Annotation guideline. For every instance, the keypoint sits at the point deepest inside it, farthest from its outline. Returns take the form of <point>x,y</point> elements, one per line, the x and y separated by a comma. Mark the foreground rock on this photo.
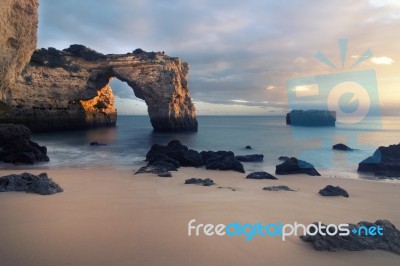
<point>295,166</point>
<point>16,146</point>
<point>389,241</point>
<point>250,158</point>
<point>260,175</point>
<point>385,161</point>
<point>311,118</point>
<point>198,181</point>
<point>40,184</point>
<point>333,191</point>
<point>221,160</point>
<point>341,147</point>
<point>278,188</point>
<point>169,158</point>
<point>165,174</point>
<point>75,93</point>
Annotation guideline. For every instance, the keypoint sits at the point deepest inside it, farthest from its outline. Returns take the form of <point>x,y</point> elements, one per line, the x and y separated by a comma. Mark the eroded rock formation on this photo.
<point>69,89</point>
<point>311,118</point>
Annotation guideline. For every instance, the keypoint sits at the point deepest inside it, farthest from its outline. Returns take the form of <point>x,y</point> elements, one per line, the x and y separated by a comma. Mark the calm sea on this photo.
<point>268,135</point>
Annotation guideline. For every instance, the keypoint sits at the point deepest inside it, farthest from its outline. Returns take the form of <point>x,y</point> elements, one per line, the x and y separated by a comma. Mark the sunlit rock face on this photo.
<point>69,89</point>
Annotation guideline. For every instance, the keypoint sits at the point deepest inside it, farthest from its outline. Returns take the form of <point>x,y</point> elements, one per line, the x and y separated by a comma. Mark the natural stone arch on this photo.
<point>69,89</point>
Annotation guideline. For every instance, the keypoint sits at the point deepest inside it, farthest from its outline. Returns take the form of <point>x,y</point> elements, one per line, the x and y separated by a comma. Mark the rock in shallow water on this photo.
<point>40,184</point>
<point>95,143</point>
<point>260,175</point>
<point>384,162</point>
<point>177,154</point>
<point>16,146</point>
<point>341,147</point>
<point>389,241</point>
<point>295,166</point>
<point>333,191</point>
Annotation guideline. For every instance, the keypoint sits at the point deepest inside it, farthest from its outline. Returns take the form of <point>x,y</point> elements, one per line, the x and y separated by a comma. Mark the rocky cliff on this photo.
<point>18,23</point>
<point>69,89</point>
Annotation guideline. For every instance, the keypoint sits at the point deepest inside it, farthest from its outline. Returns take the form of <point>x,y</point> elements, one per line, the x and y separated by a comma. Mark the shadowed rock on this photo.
<point>311,118</point>
<point>333,191</point>
<point>260,175</point>
<point>250,158</point>
<point>341,147</point>
<point>278,188</point>
<point>40,184</point>
<point>385,161</point>
<point>16,146</point>
<point>248,147</point>
<point>199,181</point>
<point>389,241</point>
<point>295,166</point>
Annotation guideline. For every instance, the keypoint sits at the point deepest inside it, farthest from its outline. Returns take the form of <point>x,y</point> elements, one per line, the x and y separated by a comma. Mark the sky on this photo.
<point>241,53</point>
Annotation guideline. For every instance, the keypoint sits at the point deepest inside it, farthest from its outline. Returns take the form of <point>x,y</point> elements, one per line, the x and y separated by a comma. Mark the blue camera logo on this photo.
<point>352,94</point>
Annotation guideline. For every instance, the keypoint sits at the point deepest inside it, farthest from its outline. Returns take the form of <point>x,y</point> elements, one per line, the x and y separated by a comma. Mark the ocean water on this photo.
<point>129,142</point>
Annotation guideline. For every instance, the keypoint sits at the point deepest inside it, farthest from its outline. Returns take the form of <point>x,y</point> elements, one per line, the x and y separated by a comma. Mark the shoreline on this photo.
<point>122,219</point>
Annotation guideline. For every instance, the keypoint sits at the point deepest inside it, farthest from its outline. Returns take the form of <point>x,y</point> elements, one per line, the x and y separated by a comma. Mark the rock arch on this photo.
<point>69,89</point>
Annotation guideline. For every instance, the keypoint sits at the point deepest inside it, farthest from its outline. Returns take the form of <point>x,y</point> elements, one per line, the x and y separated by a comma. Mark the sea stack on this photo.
<point>311,118</point>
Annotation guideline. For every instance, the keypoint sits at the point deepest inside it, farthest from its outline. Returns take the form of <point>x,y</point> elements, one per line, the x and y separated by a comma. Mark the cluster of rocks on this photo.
<point>40,184</point>
<point>388,241</point>
<point>16,146</point>
<point>167,158</point>
<point>385,162</point>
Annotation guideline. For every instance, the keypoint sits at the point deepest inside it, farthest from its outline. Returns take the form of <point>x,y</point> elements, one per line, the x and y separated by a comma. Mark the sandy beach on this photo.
<point>112,217</point>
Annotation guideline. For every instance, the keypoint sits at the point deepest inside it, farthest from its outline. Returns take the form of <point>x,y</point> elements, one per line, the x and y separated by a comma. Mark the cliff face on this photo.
<point>69,89</point>
<point>18,23</point>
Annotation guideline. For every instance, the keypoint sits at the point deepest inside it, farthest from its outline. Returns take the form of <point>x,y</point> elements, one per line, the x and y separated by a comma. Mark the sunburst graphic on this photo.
<point>343,52</point>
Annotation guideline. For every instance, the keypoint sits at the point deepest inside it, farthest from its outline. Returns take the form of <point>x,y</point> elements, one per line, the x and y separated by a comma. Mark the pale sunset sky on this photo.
<point>241,53</point>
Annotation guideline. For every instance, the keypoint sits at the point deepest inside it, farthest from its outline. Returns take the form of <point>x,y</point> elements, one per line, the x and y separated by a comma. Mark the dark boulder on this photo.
<point>40,184</point>
<point>260,175</point>
<point>248,147</point>
<point>341,147</point>
<point>357,239</point>
<point>311,118</point>
<point>221,160</point>
<point>295,166</point>
<point>385,161</point>
<point>226,163</point>
<point>199,181</point>
<point>278,188</point>
<point>95,143</point>
<point>16,146</point>
<point>250,158</point>
<point>175,150</point>
<point>333,191</point>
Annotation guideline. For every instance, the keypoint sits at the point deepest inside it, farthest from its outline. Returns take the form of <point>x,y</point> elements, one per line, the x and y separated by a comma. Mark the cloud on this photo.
<point>384,60</point>
<point>234,47</point>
